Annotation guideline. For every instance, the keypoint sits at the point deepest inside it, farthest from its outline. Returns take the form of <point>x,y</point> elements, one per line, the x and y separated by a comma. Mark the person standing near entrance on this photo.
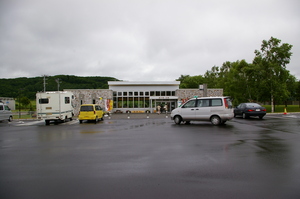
<point>166,108</point>
<point>158,109</point>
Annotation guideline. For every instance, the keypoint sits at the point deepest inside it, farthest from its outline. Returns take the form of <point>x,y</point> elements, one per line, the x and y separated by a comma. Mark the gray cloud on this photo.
<point>139,40</point>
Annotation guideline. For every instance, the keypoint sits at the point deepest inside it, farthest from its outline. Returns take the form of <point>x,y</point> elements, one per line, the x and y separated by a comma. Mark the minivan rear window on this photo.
<point>216,102</point>
<point>86,108</point>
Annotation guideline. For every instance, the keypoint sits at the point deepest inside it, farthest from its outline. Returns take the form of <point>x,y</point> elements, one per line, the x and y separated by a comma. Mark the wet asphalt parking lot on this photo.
<point>151,157</point>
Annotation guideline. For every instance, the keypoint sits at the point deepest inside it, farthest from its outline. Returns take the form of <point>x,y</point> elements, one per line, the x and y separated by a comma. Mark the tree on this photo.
<point>187,81</point>
<point>25,101</point>
<point>271,63</point>
<point>211,77</point>
<point>297,92</point>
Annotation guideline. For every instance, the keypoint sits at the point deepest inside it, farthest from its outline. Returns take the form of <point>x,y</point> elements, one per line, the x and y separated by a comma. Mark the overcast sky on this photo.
<point>139,40</point>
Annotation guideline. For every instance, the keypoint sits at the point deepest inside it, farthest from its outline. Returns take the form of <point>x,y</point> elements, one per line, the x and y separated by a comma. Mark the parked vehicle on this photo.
<point>90,112</point>
<point>5,112</point>
<point>54,106</point>
<point>217,110</point>
<point>250,109</point>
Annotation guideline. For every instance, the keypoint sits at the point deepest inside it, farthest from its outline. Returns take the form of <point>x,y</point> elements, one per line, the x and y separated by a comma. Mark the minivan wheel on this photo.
<point>215,120</point>
<point>177,119</point>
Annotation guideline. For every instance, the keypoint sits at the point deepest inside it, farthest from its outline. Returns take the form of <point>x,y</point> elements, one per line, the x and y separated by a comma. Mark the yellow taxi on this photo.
<point>92,112</point>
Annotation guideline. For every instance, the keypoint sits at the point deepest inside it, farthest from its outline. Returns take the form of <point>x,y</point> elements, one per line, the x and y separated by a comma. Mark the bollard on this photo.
<point>147,112</point>
<point>128,114</point>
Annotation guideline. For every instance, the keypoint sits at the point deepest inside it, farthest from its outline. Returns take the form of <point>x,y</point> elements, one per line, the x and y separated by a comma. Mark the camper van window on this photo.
<point>44,101</point>
<point>7,108</point>
<point>67,100</point>
<point>1,107</point>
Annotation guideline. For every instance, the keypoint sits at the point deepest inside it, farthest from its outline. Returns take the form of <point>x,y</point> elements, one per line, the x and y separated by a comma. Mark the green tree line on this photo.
<point>265,79</point>
<point>24,87</point>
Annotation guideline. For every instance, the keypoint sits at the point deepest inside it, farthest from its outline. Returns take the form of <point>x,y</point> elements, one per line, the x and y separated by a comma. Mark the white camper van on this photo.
<point>54,106</point>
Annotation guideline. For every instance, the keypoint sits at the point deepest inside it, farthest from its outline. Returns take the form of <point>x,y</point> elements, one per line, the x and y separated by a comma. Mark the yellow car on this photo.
<point>90,112</point>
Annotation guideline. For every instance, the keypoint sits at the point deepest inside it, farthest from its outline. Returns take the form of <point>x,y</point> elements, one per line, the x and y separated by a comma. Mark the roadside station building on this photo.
<point>139,96</point>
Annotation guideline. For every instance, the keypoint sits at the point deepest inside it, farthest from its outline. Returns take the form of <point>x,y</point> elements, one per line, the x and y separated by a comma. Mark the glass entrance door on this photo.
<point>165,105</point>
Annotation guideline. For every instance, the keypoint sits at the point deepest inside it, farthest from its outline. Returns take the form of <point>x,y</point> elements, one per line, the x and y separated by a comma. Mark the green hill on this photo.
<point>27,87</point>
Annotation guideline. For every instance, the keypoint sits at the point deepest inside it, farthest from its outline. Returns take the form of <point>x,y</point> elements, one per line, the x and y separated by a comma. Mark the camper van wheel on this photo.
<point>47,122</point>
<point>10,118</point>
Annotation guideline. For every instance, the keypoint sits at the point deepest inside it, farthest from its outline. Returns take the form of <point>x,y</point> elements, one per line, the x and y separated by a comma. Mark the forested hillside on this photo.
<point>27,87</point>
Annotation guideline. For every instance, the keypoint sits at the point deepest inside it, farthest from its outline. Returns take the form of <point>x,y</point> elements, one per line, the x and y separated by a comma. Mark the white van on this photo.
<point>217,110</point>
<point>5,112</point>
<point>55,106</point>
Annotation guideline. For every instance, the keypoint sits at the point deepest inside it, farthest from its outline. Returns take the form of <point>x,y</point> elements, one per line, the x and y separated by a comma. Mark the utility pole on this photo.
<point>45,82</point>
<point>58,82</point>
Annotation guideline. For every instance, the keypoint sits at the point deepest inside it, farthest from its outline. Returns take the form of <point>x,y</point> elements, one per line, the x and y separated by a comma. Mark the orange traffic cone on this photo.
<point>285,112</point>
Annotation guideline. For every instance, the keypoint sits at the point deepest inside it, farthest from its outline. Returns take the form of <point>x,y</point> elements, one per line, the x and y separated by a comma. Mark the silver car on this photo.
<point>5,112</point>
<point>217,110</point>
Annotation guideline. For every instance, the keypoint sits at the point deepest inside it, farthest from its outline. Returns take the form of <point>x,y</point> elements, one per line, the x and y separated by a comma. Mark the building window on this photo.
<point>147,102</point>
<point>136,102</point>
<point>124,93</point>
<point>120,102</point>
<point>124,102</point>
<point>115,102</point>
<point>130,102</point>
<point>152,93</point>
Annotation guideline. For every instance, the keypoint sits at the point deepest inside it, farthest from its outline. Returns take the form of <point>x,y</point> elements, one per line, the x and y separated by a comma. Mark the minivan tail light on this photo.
<point>94,112</point>
<point>226,103</point>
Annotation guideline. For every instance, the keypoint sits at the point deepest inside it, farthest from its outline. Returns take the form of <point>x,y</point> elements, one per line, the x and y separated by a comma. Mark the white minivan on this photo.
<point>217,110</point>
<point>5,112</point>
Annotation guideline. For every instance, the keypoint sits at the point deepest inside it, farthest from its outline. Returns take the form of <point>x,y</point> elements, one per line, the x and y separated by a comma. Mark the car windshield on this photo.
<point>86,108</point>
<point>252,105</point>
